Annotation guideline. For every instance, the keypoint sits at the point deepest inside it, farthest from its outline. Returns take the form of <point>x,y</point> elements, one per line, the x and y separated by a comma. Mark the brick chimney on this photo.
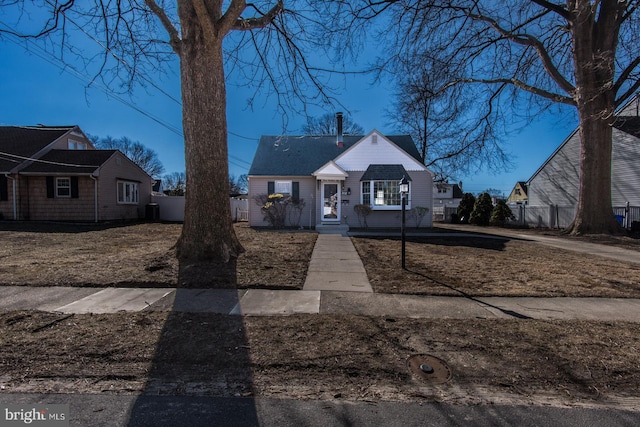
<point>339,140</point>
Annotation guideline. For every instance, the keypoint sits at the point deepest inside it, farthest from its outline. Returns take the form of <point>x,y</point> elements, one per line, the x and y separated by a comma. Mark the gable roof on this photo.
<point>18,142</point>
<point>628,124</point>
<point>72,162</point>
<point>303,155</point>
<point>385,173</point>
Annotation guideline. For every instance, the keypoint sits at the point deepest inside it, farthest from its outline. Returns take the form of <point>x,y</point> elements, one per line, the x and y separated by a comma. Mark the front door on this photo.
<point>331,202</point>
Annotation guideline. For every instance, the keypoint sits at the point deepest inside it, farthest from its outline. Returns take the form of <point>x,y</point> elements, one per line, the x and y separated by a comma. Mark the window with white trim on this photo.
<point>127,193</point>
<point>63,187</point>
<point>382,195</point>
<point>283,187</point>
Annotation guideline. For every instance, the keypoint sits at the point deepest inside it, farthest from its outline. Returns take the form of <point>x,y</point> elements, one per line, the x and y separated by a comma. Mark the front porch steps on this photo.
<point>332,228</point>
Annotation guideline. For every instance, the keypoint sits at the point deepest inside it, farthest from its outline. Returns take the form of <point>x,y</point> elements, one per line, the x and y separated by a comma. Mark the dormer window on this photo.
<point>76,145</point>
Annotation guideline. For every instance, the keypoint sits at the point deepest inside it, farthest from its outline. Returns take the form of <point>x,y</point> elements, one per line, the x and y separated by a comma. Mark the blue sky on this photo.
<point>35,90</point>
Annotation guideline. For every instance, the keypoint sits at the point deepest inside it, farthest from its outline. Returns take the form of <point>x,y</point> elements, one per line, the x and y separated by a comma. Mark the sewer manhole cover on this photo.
<point>429,368</point>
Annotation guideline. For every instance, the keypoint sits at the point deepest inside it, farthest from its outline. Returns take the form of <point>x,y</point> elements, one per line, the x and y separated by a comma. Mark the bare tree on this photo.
<point>327,124</point>
<point>238,185</point>
<point>579,53</point>
<point>452,134</point>
<point>141,155</point>
<point>175,184</point>
<point>136,37</point>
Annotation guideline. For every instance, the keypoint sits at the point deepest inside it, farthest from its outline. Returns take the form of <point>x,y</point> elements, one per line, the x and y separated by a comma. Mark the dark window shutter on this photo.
<point>271,187</point>
<point>50,188</point>
<point>4,188</point>
<point>295,191</point>
<point>74,187</point>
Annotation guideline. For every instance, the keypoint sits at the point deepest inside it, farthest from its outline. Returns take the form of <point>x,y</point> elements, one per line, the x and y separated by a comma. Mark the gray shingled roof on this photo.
<point>628,124</point>
<point>385,173</point>
<point>25,141</point>
<point>303,155</point>
<point>71,162</point>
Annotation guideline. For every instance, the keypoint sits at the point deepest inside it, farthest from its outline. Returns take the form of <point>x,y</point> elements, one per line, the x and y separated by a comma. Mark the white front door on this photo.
<point>331,201</point>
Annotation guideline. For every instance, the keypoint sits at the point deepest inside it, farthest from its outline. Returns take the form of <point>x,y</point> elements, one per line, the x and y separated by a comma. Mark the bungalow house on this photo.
<point>556,182</point>
<point>56,174</point>
<point>332,174</point>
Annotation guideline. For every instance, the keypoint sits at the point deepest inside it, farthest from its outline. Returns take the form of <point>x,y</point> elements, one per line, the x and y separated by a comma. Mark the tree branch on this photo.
<point>625,74</point>
<point>622,98</point>
<point>207,24</point>
<point>260,22</point>
<point>524,86</point>
<point>174,36</point>
<point>554,8</point>
<point>528,40</point>
<point>228,20</point>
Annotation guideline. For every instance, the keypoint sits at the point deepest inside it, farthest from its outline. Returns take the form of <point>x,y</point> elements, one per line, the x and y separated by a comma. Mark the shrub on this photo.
<point>466,207</point>
<point>482,210</point>
<point>295,211</point>
<point>418,214</point>
<point>501,213</point>
<point>274,208</point>
<point>362,211</point>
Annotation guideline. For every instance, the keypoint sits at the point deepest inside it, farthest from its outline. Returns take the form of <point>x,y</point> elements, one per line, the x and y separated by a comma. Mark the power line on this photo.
<point>46,56</point>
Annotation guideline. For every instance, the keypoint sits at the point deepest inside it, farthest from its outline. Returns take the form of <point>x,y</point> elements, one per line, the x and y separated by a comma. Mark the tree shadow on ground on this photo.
<point>202,353</point>
<point>471,297</point>
<point>493,243</point>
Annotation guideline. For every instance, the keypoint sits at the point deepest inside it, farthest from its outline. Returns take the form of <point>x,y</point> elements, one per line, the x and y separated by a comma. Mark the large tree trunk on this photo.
<point>595,41</point>
<point>208,247</point>
<point>594,213</point>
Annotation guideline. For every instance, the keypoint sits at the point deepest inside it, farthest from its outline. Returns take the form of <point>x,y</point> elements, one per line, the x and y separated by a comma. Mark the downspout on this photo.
<point>95,197</point>
<point>13,187</point>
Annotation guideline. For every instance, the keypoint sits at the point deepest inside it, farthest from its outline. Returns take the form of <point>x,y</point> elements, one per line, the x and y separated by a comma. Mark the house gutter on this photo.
<point>13,187</point>
<point>95,197</point>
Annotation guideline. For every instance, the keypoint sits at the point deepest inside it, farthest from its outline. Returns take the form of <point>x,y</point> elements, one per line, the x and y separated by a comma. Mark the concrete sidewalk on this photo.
<point>258,302</point>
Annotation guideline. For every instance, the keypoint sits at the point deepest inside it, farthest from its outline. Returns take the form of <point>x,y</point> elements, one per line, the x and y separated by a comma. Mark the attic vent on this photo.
<point>374,139</point>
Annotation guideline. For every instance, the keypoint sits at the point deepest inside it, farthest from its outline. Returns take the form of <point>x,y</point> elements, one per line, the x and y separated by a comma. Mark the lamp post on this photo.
<point>404,191</point>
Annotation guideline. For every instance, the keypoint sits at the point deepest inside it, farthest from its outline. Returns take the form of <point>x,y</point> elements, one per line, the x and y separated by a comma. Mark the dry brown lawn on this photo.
<point>493,267</point>
<point>316,356</point>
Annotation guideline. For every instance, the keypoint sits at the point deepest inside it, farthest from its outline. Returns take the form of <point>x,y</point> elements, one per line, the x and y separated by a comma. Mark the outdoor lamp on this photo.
<point>404,190</point>
<point>404,185</point>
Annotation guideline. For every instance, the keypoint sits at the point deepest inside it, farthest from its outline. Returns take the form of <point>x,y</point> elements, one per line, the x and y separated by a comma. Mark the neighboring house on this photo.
<point>56,174</point>
<point>332,174</point>
<point>552,191</point>
<point>557,180</point>
<point>445,196</point>
<point>519,193</point>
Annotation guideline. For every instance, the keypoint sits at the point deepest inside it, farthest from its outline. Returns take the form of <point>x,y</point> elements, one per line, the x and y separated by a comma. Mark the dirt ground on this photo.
<point>584,363</point>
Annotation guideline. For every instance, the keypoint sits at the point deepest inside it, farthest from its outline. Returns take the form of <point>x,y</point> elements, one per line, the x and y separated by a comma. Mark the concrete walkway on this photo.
<point>336,266</point>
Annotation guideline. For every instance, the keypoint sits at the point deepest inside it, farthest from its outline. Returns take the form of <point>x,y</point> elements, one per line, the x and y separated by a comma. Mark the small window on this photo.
<point>283,187</point>
<point>127,193</point>
<point>63,187</point>
<point>75,145</point>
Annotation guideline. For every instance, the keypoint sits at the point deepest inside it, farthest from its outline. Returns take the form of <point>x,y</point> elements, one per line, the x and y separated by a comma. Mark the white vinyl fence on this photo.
<point>554,216</point>
<point>172,208</point>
